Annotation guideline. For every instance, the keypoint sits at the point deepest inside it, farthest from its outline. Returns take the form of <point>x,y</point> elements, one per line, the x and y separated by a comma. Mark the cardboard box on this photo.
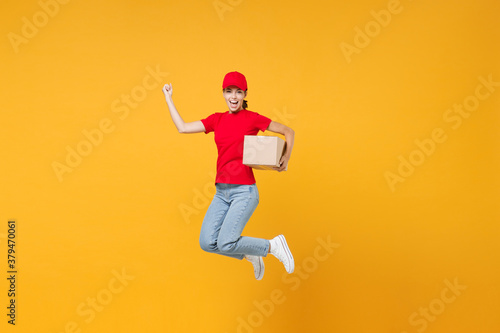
<point>263,152</point>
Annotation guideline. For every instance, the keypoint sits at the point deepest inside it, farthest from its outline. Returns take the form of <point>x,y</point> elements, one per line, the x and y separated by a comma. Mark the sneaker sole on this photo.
<point>288,254</point>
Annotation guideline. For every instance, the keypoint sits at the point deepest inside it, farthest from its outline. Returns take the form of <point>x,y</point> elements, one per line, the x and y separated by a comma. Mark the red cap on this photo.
<point>235,79</point>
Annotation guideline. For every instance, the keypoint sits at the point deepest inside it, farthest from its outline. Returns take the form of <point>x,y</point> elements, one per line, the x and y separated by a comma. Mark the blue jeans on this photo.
<point>225,219</point>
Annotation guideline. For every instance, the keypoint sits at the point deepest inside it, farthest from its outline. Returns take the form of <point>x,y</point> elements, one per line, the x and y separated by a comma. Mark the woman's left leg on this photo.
<point>243,201</point>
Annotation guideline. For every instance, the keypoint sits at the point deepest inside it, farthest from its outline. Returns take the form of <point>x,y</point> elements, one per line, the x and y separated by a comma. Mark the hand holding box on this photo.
<point>263,152</point>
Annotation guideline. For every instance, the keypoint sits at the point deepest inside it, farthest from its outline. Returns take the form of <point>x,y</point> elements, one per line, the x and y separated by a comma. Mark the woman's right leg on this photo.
<point>212,224</point>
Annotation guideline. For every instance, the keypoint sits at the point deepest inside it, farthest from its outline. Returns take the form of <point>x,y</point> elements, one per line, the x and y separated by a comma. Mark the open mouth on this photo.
<point>233,103</point>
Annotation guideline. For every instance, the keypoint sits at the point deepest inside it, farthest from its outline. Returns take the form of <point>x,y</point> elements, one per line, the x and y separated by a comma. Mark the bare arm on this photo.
<point>182,127</point>
<point>289,138</point>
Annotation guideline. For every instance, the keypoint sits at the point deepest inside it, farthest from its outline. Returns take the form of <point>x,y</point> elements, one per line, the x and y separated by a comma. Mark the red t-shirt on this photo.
<point>229,133</point>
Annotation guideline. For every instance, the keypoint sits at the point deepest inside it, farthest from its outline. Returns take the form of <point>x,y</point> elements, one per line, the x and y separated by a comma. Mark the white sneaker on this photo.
<point>258,266</point>
<point>280,249</point>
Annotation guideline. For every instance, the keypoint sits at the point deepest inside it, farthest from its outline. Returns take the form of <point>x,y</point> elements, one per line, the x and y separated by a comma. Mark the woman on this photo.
<point>237,196</point>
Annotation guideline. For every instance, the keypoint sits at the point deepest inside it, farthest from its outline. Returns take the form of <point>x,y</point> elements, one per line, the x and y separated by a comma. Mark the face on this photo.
<point>234,98</point>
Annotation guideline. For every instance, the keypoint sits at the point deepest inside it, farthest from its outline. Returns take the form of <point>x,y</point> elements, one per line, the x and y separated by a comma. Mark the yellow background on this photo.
<point>120,209</point>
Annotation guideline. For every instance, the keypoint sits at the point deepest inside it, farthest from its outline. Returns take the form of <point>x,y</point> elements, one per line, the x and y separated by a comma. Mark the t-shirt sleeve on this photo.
<point>209,123</point>
<point>261,122</point>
